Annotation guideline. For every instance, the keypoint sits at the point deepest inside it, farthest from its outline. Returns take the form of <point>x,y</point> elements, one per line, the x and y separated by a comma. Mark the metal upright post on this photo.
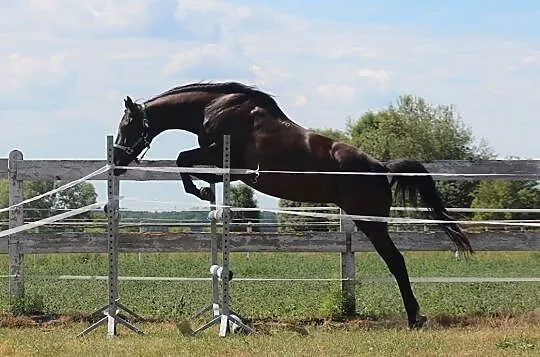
<point>113,208</point>
<point>225,250</point>
<point>214,257</point>
<point>222,313</point>
<point>113,216</point>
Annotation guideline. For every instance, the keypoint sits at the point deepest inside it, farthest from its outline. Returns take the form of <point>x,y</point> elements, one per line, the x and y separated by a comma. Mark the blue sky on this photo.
<point>65,67</point>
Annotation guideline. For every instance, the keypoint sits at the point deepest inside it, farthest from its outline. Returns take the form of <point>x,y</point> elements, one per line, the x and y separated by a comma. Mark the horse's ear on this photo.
<point>129,104</point>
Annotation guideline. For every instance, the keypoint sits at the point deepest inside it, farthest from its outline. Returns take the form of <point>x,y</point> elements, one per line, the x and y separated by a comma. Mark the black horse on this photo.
<point>263,137</point>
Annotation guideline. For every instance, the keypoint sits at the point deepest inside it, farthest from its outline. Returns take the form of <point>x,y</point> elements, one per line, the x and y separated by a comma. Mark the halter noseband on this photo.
<point>144,137</point>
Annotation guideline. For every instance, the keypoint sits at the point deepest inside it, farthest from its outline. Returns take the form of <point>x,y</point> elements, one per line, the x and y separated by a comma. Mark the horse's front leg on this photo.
<point>200,156</point>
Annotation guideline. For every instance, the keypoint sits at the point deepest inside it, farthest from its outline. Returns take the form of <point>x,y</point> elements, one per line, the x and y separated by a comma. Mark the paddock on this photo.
<point>344,246</point>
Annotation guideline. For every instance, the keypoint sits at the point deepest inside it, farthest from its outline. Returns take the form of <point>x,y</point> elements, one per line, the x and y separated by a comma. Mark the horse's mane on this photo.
<point>226,88</point>
<point>221,87</point>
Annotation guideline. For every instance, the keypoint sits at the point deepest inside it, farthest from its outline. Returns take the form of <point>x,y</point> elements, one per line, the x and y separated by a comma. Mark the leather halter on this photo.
<point>144,137</point>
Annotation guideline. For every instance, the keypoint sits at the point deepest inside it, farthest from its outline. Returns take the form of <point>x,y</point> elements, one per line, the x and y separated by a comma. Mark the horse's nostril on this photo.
<point>118,172</point>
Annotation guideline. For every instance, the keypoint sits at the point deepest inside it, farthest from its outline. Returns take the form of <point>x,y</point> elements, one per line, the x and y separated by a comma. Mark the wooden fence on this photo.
<point>18,170</point>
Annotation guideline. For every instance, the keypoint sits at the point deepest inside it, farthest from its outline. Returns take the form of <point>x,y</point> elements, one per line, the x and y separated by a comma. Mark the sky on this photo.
<point>66,65</point>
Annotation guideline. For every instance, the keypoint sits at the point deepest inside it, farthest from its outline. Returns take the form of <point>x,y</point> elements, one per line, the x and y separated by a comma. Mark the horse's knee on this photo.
<point>182,159</point>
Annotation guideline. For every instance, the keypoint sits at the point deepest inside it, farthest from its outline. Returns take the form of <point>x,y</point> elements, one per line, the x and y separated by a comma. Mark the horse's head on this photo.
<point>133,135</point>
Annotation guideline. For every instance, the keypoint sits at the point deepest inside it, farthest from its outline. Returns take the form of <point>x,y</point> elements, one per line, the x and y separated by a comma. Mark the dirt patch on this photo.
<point>493,321</point>
<point>11,321</point>
<point>7,320</point>
<point>434,322</point>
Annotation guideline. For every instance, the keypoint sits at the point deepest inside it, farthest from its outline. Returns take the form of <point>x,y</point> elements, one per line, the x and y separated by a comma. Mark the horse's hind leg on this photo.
<point>378,235</point>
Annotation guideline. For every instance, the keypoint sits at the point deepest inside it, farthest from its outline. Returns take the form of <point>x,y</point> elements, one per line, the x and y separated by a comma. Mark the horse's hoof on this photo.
<point>418,323</point>
<point>207,194</point>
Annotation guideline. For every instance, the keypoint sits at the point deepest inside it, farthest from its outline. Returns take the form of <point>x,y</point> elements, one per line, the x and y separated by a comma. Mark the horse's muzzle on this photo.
<point>118,172</point>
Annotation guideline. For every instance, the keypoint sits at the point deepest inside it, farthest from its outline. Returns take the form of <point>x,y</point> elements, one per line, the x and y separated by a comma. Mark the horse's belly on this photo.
<point>296,187</point>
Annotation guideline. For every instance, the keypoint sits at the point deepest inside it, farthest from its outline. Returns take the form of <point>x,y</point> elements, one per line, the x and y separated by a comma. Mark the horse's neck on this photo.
<point>176,112</point>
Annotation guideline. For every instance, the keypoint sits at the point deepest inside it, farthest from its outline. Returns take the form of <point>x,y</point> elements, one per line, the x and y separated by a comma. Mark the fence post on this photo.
<point>348,270</point>
<point>16,218</point>
<point>249,229</point>
<point>142,230</point>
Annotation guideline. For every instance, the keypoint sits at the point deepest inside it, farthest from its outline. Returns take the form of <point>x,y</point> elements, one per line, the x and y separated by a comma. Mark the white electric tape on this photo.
<point>51,219</point>
<point>58,189</point>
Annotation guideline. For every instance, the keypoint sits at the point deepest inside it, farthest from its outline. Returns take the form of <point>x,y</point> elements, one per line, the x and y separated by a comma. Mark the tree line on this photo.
<point>85,194</point>
<point>75,197</point>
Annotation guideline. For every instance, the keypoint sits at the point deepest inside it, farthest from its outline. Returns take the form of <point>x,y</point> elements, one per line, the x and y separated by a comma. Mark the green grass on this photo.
<point>263,300</point>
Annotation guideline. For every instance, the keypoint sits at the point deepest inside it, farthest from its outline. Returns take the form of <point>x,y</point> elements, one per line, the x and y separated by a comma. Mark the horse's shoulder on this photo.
<point>223,105</point>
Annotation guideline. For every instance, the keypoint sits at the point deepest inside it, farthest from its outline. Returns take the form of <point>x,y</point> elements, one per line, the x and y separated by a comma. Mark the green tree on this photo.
<point>75,197</point>
<point>41,208</point>
<point>414,129</point>
<point>242,196</point>
<point>335,134</point>
<point>506,194</point>
<point>4,199</point>
<point>4,193</point>
<point>297,223</point>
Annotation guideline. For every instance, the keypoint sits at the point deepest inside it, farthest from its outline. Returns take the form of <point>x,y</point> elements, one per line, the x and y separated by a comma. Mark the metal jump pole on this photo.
<point>222,313</point>
<point>113,306</point>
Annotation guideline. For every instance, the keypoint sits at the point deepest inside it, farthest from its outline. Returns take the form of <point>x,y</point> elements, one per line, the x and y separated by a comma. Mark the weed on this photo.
<point>28,304</point>
<point>334,305</point>
<point>518,344</point>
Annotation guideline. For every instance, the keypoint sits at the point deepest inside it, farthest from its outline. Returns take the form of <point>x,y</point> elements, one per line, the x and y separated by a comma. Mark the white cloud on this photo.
<point>186,8</point>
<point>119,14</point>
<point>214,14</point>
<point>44,5</point>
<point>95,18</point>
<point>205,6</point>
<point>216,59</point>
<point>335,92</point>
<point>190,57</point>
<point>19,71</point>
<point>531,59</point>
<point>301,100</point>
<point>21,66</point>
<point>269,76</point>
<point>380,77</point>
<point>344,51</point>
<point>114,96</point>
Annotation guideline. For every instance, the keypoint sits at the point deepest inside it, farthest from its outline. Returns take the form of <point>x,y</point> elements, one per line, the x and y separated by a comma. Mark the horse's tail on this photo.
<point>410,186</point>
